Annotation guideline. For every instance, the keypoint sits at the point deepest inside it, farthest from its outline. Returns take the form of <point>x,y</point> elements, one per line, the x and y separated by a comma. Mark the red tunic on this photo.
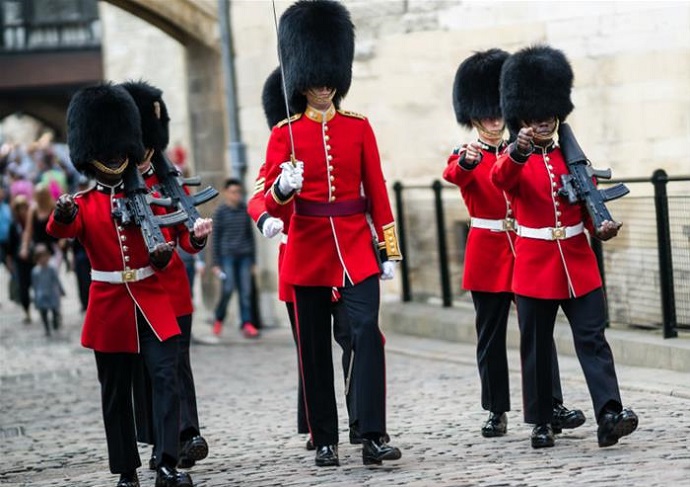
<point>341,163</point>
<point>489,253</point>
<point>546,269</point>
<point>256,207</point>
<point>174,275</point>
<point>110,322</point>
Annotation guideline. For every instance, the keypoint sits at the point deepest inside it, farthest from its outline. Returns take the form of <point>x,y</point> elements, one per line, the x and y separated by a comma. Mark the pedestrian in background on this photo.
<point>47,289</point>
<point>20,266</point>
<point>233,256</point>
<point>488,269</point>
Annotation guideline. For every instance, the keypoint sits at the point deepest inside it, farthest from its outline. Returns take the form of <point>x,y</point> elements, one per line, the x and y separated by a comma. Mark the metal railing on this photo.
<point>645,270</point>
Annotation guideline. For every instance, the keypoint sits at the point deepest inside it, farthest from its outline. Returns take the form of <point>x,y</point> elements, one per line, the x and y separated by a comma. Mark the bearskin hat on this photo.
<point>476,89</point>
<point>316,39</point>
<point>103,124</point>
<point>154,118</point>
<point>535,85</point>
<point>272,98</point>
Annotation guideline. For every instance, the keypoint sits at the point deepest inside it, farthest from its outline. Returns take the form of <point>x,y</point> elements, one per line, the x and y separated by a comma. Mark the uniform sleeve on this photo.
<point>277,152</point>
<point>73,229</point>
<point>375,190</point>
<point>457,173</point>
<point>505,174</point>
<point>256,206</point>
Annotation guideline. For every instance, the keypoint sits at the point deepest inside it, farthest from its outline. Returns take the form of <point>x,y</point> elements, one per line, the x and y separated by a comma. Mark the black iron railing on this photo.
<point>646,273</point>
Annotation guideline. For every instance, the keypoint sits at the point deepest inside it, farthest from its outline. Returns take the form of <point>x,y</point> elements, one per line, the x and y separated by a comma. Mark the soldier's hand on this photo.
<point>291,177</point>
<point>272,227</point>
<point>387,270</point>
<point>161,255</point>
<point>608,230</point>
<point>65,209</point>
<point>524,140</point>
<point>202,228</point>
<point>473,153</point>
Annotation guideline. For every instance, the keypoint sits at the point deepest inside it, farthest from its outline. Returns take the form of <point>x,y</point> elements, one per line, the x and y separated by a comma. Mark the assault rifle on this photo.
<point>172,186</point>
<point>578,185</point>
<point>135,209</point>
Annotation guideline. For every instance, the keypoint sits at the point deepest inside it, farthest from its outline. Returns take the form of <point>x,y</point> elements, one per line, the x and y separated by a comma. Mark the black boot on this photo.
<point>152,460</point>
<point>375,451</point>
<point>169,477</point>
<point>542,436</point>
<point>192,450</point>
<point>129,480</point>
<point>613,426</point>
<point>327,456</point>
<point>566,419</point>
<point>496,425</point>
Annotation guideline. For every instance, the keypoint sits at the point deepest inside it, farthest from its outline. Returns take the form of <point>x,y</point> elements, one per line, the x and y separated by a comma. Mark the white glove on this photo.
<point>272,227</point>
<point>387,270</point>
<point>291,177</point>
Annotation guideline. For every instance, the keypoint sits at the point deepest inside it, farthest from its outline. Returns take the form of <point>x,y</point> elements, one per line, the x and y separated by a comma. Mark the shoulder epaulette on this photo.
<point>291,119</point>
<point>348,113</point>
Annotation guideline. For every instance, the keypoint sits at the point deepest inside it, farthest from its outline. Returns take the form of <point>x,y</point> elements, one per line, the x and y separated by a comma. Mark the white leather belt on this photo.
<point>283,238</point>
<point>120,277</point>
<point>551,233</point>
<point>505,225</point>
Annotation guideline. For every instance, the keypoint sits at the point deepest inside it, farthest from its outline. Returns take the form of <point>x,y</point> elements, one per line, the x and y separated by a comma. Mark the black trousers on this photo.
<point>586,315</point>
<point>491,322</point>
<point>341,333</point>
<point>361,303</point>
<point>115,374</point>
<point>143,392</point>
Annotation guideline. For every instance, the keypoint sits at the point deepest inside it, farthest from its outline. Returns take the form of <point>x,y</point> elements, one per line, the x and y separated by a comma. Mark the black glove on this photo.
<point>161,255</point>
<point>65,209</point>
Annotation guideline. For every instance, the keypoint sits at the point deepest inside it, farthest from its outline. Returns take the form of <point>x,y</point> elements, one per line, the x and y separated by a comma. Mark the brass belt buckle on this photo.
<point>129,276</point>
<point>557,233</point>
<point>509,225</point>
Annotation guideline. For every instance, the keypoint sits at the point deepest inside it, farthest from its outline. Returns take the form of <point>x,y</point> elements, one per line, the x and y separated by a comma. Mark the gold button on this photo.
<point>119,228</point>
<point>330,168</point>
<point>332,198</point>
<point>328,147</point>
<point>550,166</point>
<point>127,268</point>
<point>325,127</point>
<point>547,159</point>
<point>123,237</point>
<point>558,224</point>
<point>328,137</point>
<point>332,178</point>
<point>558,213</point>
<point>126,258</point>
<point>553,184</point>
<point>330,157</point>
<point>332,188</point>
<point>557,203</point>
<point>125,248</point>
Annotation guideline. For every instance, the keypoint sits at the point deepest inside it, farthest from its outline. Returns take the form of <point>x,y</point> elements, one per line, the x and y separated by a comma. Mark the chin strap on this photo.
<point>489,134</point>
<point>550,135</point>
<point>106,170</point>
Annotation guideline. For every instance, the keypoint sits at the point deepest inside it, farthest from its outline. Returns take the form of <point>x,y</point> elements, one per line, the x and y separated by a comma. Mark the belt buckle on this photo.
<point>509,224</point>
<point>129,275</point>
<point>557,233</point>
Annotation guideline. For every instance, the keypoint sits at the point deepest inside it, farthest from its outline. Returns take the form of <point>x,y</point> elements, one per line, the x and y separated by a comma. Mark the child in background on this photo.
<point>47,288</point>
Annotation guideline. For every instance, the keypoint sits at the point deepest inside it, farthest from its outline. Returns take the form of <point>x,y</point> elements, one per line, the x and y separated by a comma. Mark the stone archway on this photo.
<point>194,23</point>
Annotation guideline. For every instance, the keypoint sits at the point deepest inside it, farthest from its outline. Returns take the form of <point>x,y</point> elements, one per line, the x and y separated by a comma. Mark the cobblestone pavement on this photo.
<point>51,430</point>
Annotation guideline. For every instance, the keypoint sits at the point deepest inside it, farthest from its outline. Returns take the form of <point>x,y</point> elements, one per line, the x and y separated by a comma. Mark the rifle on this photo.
<point>135,209</point>
<point>172,186</point>
<point>578,185</point>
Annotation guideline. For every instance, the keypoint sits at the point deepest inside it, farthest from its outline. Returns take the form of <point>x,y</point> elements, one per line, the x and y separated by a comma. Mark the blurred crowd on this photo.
<point>32,177</point>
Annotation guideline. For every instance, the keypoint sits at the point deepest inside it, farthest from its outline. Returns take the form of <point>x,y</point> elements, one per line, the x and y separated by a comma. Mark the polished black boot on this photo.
<point>355,437</point>
<point>375,451</point>
<point>566,419</point>
<point>310,445</point>
<point>496,425</point>
<point>613,426</point>
<point>169,477</point>
<point>542,436</point>
<point>327,456</point>
<point>129,480</point>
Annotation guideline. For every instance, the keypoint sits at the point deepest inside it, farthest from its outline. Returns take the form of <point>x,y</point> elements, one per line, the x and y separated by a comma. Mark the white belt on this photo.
<point>119,277</point>
<point>551,233</point>
<point>283,238</point>
<point>505,225</point>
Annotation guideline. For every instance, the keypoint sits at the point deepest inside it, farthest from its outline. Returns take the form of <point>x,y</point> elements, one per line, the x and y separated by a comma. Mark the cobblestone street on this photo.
<point>52,434</point>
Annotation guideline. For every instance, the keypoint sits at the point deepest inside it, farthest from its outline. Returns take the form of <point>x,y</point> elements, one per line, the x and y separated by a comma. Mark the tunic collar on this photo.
<point>318,116</point>
<point>108,189</point>
<point>492,148</point>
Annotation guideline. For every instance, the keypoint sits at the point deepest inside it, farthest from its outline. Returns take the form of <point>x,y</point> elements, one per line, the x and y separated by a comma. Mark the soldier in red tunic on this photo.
<point>155,136</point>
<point>554,263</point>
<point>125,315</point>
<point>274,109</point>
<point>335,181</point>
<point>489,255</point>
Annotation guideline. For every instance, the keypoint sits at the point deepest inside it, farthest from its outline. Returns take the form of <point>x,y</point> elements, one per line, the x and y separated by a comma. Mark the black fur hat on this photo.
<point>154,118</point>
<point>535,85</point>
<point>476,88</point>
<point>317,46</point>
<point>272,98</point>
<point>103,124</point>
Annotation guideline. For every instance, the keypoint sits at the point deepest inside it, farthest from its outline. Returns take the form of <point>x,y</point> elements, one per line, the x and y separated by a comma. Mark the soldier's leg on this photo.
<point>115,377</point>
<point>302,426</point>
<point>342,333</point>
<point>316,362</point>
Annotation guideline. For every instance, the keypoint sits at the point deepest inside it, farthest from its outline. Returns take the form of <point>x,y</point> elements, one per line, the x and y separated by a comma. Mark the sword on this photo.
<point>293,159</point>
<point>349,372</point>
